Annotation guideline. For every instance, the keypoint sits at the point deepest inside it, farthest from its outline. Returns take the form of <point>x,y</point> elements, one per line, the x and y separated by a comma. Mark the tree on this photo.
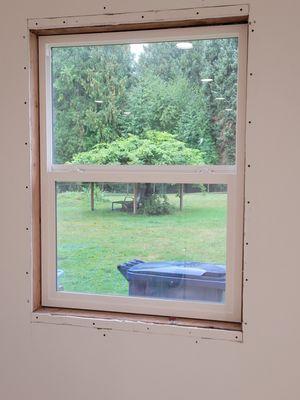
<point>175,106</point>
<point>156,104</point>
<point>162,60</point>
<point>150,148</point>
<point>216,59</point>
<point>90,86</point>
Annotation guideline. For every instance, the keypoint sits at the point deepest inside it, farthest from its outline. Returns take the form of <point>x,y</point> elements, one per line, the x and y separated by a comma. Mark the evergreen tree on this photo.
<point>214,115</point>
<point>90,86</point>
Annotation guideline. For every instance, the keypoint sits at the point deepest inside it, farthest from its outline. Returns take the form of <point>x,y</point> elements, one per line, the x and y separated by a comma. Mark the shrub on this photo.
<point>151,148</point>
<point>156,205</point>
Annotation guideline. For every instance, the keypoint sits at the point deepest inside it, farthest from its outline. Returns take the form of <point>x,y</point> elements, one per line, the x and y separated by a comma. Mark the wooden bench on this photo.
<point>126,205</point>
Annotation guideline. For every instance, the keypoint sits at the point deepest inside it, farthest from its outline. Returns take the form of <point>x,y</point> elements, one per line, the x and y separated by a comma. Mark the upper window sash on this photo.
<point>165,35</point>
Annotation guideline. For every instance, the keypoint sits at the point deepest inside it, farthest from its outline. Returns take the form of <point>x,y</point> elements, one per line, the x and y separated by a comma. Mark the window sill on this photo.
<point>110,321</point>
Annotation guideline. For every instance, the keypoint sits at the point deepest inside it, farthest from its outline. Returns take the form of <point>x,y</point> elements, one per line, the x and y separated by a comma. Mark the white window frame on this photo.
<point>232,176</point>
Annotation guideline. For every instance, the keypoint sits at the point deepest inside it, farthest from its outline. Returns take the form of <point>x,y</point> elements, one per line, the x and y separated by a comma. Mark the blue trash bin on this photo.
<point>178,280</point>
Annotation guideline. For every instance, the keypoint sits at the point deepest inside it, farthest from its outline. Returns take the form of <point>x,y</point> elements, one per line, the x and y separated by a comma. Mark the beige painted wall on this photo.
<point>47,362</point>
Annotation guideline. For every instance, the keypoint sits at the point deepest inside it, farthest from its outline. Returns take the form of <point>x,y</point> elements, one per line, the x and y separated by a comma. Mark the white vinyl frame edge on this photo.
<point>234,178</point>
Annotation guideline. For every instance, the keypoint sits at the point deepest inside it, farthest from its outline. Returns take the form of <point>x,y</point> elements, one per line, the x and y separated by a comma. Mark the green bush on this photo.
<point>156,204</point>
<point>150,148</point>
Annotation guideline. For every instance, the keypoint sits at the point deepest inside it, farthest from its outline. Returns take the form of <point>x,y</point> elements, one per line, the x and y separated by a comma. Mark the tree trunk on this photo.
<point>143,192</point>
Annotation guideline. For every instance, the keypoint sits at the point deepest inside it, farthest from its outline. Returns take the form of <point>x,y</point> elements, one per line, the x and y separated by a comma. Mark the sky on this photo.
<point>137,49</point>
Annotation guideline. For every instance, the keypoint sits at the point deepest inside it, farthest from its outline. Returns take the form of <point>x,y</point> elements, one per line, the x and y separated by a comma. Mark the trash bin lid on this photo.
<point>179,269</point>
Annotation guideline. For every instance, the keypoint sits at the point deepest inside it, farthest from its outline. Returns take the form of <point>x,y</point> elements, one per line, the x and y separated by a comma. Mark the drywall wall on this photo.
<point>40,361</point>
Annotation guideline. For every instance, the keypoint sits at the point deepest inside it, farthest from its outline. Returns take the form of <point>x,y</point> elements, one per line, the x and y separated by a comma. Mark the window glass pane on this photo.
<point>152,103</point>
<point>150,240</point>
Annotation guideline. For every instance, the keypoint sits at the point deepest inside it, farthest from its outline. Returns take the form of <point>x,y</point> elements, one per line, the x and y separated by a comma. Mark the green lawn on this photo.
<point>90,244</point>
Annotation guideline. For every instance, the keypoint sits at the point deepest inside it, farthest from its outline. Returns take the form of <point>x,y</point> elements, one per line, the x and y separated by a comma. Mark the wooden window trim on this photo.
<point>143,26</point>
<point>35,171</point>
<point>148,319</point>
<point>35,174</point>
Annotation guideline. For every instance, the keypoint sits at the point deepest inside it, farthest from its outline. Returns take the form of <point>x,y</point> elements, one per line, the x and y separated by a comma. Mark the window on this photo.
<point>142,171</point>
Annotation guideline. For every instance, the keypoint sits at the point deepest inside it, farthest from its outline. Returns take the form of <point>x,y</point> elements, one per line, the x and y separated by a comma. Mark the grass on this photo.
<point>90,244</point>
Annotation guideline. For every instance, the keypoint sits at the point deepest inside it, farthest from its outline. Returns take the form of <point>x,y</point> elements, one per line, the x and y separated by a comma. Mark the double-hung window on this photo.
<point>142,171</point>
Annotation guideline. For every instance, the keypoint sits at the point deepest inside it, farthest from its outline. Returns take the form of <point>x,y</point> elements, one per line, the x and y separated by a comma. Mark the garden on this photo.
<point>91,244</point>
